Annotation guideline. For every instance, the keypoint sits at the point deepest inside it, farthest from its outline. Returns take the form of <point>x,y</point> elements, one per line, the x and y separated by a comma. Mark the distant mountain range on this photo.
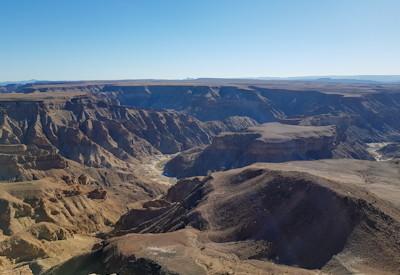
<point>341,78</point>
<point>22,82</point>
<point>327,78</point>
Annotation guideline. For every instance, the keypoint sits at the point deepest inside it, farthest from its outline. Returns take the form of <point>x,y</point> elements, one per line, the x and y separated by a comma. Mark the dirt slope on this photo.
<point>292,217</point>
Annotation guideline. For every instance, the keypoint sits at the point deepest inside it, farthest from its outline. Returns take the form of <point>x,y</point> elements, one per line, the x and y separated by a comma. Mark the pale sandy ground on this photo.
<point>152,169</point>
<point>374,147</point>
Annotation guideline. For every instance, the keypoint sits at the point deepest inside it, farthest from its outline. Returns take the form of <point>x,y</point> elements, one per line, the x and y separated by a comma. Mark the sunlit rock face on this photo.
<point>271,142</point>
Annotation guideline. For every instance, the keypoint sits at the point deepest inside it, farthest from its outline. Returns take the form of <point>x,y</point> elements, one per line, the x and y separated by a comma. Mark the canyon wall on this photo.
<point>270,142</point>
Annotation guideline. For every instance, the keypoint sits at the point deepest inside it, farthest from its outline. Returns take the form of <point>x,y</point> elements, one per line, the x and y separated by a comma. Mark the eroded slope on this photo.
<point>278,213</point>
<point>270,142</point>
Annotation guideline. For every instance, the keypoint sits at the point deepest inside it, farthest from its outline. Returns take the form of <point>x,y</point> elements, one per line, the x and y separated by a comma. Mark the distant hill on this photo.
<point>342,78</point>
<point>322,78</point>
<point>22,82</point>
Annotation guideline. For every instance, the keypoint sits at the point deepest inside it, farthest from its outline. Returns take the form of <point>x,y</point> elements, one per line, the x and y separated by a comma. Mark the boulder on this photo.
<point>97,194</point>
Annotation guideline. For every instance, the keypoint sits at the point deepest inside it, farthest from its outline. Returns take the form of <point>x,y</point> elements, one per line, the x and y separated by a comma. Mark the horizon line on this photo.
<point>293,77</point>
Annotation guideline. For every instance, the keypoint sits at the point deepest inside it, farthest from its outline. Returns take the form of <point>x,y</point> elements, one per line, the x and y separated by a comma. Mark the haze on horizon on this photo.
<point>99,39</point>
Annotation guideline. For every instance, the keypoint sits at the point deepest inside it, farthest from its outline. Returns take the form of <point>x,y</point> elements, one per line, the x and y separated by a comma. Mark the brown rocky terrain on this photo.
<point>270,142</point>
<point>299,214</point>
<point>81,188</point>
<point>362,113</point>
<point>94,133</point>
<point>44,222</point>
<point>76,162</point>
<point>38,134</point>
<point>178,252</point>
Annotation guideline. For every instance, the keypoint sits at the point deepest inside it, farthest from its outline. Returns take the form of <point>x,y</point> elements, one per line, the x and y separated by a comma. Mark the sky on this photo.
<point>175,39</point>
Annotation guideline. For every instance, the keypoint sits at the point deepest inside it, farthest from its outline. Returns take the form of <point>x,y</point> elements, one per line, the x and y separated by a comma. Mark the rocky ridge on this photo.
<point>300,218</point>
<point>270,142</point>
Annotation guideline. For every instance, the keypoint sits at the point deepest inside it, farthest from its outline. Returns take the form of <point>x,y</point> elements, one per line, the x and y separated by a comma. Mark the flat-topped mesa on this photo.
<point>270,142</point>
<point>279,142</point>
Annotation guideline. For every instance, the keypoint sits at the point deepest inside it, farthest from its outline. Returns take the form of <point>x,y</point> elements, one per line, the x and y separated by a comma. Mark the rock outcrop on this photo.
<point>271,142</point>
<point>19,161</point>
<point>97,194</point>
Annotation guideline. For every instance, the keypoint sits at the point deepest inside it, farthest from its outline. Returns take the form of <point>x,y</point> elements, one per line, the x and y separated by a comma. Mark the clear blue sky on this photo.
<point>116,39</point>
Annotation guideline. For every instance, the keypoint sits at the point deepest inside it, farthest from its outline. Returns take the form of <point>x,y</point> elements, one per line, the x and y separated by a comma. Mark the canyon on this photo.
<point>207,176</point>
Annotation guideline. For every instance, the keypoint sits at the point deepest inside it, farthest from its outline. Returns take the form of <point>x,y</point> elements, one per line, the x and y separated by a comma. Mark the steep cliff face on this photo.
<point>93,132</point>
<point>361,113</point>
<point>270,142</point>
<point>204,102</point>
<point>373,112</point>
